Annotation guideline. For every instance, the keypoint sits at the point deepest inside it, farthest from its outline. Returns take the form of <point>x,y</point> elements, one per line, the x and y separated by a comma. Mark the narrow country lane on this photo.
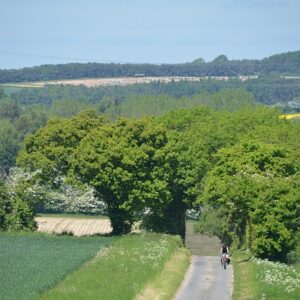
<point>206,280</point>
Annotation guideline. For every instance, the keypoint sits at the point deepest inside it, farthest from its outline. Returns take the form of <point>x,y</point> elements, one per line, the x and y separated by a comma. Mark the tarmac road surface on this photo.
<point>206,279</point>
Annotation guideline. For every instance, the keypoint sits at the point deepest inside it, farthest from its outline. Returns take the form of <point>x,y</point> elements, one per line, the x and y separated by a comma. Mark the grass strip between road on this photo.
<point>122,271</point>
<point>262,279</point>
<point>245,284</point>
<point>165,285</point>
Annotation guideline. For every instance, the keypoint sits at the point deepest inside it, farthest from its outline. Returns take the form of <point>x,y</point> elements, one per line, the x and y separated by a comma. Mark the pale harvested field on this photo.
<point>121,81</point>
<point>94,82</point>
<point>77,227</point>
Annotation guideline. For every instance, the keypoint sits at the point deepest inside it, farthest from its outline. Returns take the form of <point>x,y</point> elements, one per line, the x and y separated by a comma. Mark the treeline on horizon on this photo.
<point>285,63</point>
<point>270,90</point>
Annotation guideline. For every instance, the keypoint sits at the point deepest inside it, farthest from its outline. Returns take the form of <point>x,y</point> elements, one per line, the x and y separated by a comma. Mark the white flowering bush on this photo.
<point>278,274</point>
<point>71,199</point>
<point>66,198</point>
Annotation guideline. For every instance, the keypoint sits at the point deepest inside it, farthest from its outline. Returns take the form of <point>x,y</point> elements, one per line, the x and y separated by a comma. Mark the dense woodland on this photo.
<point>286,63</point>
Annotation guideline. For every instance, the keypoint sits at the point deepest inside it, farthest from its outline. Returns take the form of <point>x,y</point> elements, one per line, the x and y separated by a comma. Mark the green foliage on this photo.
<point>220,59</point>
<point>137,106</point>
<point>33,263</point>
<point>20,217</point>
<point>275,218</point>
<point>65,108</point>
<point>198,61</point>
<point>294,256</point>
<point>15,214</point>
<point>255,185</point>
<point>50,149</point>
<point>10,110</point>
<point>131,164</point>
<point>2,94</point>
<point>5,206</point>
<point>9,146</point>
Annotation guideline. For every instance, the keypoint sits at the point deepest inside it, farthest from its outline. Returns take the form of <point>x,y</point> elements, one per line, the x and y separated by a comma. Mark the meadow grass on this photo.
<point>32,263</point>
<point>166,284</point>
<point>262,279</point>
<point>122,271</point>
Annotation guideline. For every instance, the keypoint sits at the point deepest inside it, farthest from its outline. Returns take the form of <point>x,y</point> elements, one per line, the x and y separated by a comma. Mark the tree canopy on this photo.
<point>240,169</point>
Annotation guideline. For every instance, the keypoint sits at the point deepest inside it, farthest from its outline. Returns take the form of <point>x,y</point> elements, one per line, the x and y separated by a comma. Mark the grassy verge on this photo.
<point>245,283</point>
<point>32,263</point>
<point>75,216</point>
<point>165,285</point>
<point>128,265</point>
<point>259,279</point>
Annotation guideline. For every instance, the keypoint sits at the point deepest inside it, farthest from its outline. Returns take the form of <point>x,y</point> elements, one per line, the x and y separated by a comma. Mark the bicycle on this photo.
<point>225,260</point>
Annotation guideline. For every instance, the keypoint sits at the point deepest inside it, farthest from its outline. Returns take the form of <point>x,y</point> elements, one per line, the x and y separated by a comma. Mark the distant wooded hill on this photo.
<point>283,64</point>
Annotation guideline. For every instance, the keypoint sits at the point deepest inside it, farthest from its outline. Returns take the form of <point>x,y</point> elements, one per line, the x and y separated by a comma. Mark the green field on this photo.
<point>33,263</point>
<point>123,270</point>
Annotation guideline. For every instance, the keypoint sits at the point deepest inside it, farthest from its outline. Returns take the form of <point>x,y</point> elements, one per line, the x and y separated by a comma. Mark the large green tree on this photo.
<point>254,186</point>
<point>133,165</point>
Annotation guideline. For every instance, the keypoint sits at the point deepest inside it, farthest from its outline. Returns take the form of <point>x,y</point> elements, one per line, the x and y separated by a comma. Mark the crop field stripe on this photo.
<point>94,227</point>
<point>68,224</point>
<point>58,224</point>
<point>78,227</point>
<point>86,226</point>
<point>83,228</point>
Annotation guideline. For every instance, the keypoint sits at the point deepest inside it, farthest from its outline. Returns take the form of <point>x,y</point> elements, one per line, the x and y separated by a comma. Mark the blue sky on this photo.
<point>35,32</point>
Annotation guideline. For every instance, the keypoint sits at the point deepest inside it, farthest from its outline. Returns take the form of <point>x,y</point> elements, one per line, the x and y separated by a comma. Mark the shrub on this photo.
<point>20,216</point>
<point>15,214</point>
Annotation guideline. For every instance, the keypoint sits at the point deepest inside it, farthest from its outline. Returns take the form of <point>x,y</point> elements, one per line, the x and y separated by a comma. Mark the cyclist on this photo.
<point>224,251</point>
